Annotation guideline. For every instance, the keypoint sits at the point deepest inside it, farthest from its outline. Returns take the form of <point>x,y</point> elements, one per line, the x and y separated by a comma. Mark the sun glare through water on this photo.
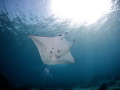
<point>80,11</point>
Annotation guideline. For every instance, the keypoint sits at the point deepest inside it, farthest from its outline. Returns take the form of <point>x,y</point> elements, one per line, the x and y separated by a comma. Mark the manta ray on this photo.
<point>54,50</point>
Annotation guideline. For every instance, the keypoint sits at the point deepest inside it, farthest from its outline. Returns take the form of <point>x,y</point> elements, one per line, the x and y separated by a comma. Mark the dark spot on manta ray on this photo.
<point>60,35</point>
<point>51,52</point>
<point>59,51</point>
<point>52,48</point>
<point>57,56</point>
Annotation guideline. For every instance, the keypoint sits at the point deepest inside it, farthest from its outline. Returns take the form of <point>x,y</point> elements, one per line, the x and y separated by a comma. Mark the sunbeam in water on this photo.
<point>80,11</point>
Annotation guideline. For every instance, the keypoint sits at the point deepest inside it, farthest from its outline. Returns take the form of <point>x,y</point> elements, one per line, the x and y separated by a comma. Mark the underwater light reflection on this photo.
<point>80,10</point>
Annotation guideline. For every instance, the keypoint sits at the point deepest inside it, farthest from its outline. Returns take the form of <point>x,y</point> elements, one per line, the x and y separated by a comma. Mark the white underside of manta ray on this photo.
<point>54,50</point>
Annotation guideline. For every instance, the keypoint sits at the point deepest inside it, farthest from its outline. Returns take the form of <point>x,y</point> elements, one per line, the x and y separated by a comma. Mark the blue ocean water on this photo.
<point>96,49</point>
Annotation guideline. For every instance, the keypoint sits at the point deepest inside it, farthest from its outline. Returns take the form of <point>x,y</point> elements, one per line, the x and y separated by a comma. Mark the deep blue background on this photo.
<point>96,49</point>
